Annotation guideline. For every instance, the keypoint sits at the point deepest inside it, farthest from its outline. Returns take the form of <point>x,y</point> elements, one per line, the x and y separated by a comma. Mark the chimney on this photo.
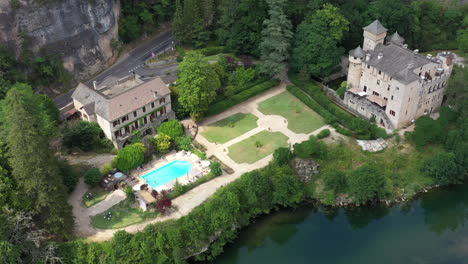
<point>367,56</point>
<point>380,56</point>
<point>95,85</point>
<point>416,51</point>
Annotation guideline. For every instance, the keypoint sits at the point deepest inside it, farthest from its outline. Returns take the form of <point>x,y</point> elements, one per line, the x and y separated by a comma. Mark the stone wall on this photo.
<point>80,31</point>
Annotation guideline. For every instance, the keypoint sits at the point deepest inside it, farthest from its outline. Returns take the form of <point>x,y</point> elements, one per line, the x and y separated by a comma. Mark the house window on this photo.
<point>392,112</point>
<point>116,123</point>
<point>378,82</point>
<point>127,129</point>
<point>144,109</point>
<point>117,133</point>
<point>134,113</point>
<point>162,100</point>
<point>152,105</point>
<point>125,118</point>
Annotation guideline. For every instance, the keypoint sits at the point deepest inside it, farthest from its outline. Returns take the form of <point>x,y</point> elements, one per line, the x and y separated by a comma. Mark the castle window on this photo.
<point>406,112</point>
<point>380,72</point>
<point>409,99</point>
<point>388,88</point>
<point>362,108</point>
<point>392,112</point>
<point>378,82</point>
<point>392,97</point>
<point>365,88</point>
<point>391,78</point>
<point>385,98</point>
<point>355,58</point>
<point>375,93</point>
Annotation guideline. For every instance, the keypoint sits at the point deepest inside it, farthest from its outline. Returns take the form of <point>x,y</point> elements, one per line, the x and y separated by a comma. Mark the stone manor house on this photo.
<point>124,106</point>
<point>392,83</point>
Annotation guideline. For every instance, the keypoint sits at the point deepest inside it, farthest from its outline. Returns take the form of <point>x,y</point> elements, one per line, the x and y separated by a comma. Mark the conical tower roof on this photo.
<point>397,39</point>
<point>375,28</point>
<point>357,52</point>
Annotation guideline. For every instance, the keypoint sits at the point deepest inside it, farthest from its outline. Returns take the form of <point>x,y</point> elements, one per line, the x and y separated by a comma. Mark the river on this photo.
<point>430,229</point>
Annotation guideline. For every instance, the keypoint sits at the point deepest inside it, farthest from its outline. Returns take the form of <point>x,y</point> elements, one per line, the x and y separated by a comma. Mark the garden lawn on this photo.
<point>98,195</point>
<point>229,128</point>
<point>301,119</point>
<point>123,214</point>
<point>246,151</point>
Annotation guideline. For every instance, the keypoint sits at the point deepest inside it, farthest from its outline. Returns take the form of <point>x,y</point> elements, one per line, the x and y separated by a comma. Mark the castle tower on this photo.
<point>355,67</point>
<point>374,34</point>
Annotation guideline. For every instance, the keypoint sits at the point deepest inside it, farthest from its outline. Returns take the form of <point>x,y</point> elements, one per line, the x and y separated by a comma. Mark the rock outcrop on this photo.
<point>306,169</point>
<point>80,31</point>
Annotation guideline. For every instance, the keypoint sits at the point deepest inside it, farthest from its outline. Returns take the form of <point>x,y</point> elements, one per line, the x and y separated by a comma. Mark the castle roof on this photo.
<point>121,98</point>
<point>375,28</point>
<point>357,52</point>
<point>397,39</point>
<point>397,62</point>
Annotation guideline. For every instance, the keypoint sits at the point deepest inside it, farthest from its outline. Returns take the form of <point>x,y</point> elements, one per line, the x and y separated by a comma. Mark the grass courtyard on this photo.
<point>123,214</point>
<point>94,196</point>
<point>257,147</point>
<point>301,119</point>
<point>229,128</point>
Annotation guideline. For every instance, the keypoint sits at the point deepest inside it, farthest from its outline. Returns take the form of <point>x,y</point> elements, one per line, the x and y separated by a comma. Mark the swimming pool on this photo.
<point>167,173</point>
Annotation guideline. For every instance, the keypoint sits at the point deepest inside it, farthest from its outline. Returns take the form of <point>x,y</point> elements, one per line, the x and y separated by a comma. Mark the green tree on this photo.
<point>83,135</point>
<point>34,166</point>
<point>427,131</point>
<point>282,156</point>
<point>172,128</point>
<point>366,183</point>
<point>276,39</point>
<point>444,169</point>
<point>286,185</point>
<point>93,177</point>
<point>216,169</point>
<point>130,157</point>
<point>162,143</point>
<point>183,143</point>
<point>316,48</point>
<point>197,84</point>
<point>238,79</point>
<point>457,91</point>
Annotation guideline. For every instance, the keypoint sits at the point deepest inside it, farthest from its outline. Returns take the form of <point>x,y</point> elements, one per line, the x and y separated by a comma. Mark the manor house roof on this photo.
<point>396,61</point>
<point>120,98</point>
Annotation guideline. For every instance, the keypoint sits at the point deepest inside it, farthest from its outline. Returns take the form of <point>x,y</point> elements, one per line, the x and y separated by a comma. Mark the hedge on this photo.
<point>323,134</point>
<point>241,97</point>
<point>246,87</point>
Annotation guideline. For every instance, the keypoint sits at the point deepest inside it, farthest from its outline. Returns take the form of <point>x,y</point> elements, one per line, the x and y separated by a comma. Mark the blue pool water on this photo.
<point>167,173</point>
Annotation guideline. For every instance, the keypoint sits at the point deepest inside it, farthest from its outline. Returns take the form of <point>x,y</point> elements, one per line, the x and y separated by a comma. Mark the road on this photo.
<point>133,61</point>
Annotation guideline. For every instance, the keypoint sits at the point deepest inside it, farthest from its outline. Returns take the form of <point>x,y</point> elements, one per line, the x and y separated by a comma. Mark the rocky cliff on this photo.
<point>81,31</point>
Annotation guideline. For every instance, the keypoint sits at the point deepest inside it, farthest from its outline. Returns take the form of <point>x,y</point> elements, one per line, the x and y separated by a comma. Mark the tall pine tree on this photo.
<point>34,166</point>
<point>276,39</point>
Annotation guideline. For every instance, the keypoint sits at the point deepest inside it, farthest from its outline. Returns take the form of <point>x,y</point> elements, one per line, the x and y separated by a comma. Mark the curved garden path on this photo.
<point>185,203</point>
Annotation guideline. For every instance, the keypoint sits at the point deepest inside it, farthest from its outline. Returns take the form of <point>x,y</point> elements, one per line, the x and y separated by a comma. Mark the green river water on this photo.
<point>431,229</point>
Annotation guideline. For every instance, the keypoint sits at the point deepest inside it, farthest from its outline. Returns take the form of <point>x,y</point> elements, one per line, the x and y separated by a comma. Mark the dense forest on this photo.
<point>309,36</point>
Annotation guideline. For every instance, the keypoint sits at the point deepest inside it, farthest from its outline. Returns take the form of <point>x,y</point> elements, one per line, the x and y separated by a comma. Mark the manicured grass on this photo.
<point>97,195</point>
<point>257,147</point>
<point>123,214</point>
<point>229,128</point>
<point>301,119</point>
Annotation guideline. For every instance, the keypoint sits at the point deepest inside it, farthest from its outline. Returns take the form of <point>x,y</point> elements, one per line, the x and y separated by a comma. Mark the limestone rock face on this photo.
<point>306,169</point>
<point>79,30</point>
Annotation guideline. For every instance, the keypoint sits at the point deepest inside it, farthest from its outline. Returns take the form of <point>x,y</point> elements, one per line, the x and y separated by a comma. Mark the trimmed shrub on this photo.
<point>162,143</point>
<point>130,157</point>
<point>282,155</point>
<point>241,97</point>
<point>215,168</point>
<point>323,134</point>
<point>93,177</point>
<point>171,128</point>
<point>107,168</point>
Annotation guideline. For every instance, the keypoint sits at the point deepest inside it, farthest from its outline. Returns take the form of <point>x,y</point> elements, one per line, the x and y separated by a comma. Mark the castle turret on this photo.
<point>374,34</point>
<point>397,39</point>
<point>355,66</point>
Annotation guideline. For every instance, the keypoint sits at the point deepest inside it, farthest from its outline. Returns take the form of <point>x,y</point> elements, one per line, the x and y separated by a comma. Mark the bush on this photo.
<point>335,180</point>
<point>93,177</point>
<point>310,148</point>
<point>83,135</point>
<point>427,131</point>
<point>443,168</point>
<point>183,143</point>
<point>282,155</point>
<point>162,143</point>
<point>172,128</point>
<point>107,168</point>
<point>129,192</point>
<point>366,183</point>
<point>215,168</point>
<point>323,134</point>
<point>340,92</point>
<point>241,97</point>
<point>130,157</point>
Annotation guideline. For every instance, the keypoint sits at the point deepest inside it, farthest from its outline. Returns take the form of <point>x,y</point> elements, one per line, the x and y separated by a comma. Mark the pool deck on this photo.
<point>162,161</point>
